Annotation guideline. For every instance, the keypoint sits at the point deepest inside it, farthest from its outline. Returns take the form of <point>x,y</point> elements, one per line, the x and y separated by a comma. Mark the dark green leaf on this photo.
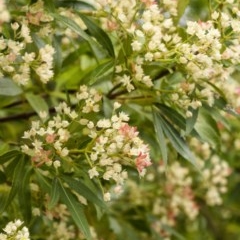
<point>97,49</point>
<point>172,115</point>
<point>18,176</point>
<point>77,5</point>
<point>9,88</point>
<point>9,156</point>
<point>81,188</point>
<point>160,136</point>
<point>99,34</point>
<point>24,196</point>
<point>175,138</point>
<point>177,119</point>
<point>191,121</point>
<point>43,181</point>
<point>54,194</point>
<point>75,208</point>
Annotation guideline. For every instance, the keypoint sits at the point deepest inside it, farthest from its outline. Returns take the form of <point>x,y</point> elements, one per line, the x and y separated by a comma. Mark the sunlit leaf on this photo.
<point>37,103</point>
<point>9,88</point>
<point>181,7</point>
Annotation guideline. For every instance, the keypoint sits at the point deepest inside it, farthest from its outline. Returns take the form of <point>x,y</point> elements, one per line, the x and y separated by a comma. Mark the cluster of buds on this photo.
<point>15,230</point>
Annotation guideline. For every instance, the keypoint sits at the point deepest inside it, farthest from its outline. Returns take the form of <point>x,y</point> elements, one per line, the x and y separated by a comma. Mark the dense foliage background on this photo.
<point>119,119</point>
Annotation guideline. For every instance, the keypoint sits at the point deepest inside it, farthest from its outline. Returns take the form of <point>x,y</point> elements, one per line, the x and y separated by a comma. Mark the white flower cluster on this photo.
<point>206,56</point>
<point>15,59</point>
<point>113,142</point>
<point>214,173</point>
<point>117,145</point>
<point>178,189</point>
<point>215,180</point>
<point>15,230</point>
<point>152,37</point>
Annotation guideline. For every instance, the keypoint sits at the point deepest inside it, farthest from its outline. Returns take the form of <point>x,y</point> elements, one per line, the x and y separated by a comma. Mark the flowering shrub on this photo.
<point>101,103</point>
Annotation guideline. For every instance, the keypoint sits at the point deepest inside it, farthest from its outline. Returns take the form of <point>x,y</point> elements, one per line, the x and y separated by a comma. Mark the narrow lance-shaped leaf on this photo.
<point>191,121</point>
<point>19,174</point>
<point>83,190</point>
<point>43,181</point>
<point>76,5</point>
<point>9,156</point>
<point>75,208</point>
<point>99,34</point>
<point>160,136</point>
<point>177,141</point>
<point>54,194</point>
<point>24,196</point>
<point>97,49</point>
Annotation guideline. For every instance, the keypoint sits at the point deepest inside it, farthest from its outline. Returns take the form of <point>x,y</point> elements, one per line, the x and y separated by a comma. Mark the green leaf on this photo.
<point>175,138</point>
<point>97,49</point>
<point>43,181</point>
<point>160,136</point>
<point>102,70</point>
<point>9,88</point>
<point>18,176</point>
<point>24,196</point>
<point>75,208</point>
<point>37,40</point>
<point>207,128</point>
<point>216,114</point>
<point>83,190</point>
<point>99,34</point>
<point>49,4</point>
<point>76,5</point>
<point>54,194</point>
<point>57,56</point>
<point>181,7</point>
<point>172,115</point>
<point>177,119</point>
<point>37,103</point>
<point>9,156</point>
<point>191,121</point>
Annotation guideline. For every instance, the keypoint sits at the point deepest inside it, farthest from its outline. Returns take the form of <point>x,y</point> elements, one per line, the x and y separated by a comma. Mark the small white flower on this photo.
<point>93,172</point>
<point>107,197</point>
